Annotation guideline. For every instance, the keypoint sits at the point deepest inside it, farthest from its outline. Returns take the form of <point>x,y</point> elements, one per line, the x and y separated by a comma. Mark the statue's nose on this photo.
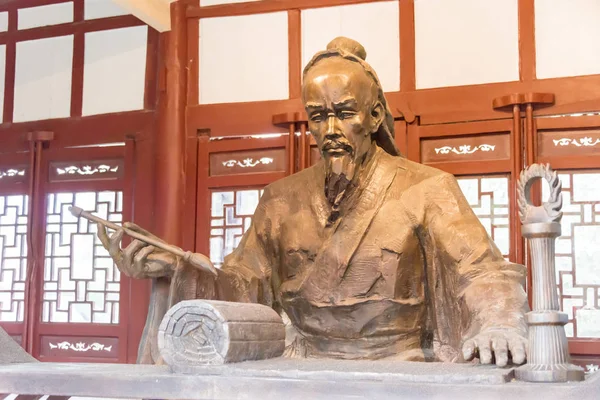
<point>331,127</point>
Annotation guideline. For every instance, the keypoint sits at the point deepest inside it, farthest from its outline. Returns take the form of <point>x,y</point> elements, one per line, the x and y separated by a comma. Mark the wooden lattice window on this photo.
<point>488,197</point>
<point>578,252</point>
<point>231,215</point>
<point>13,256</point>
<point>81,282</point>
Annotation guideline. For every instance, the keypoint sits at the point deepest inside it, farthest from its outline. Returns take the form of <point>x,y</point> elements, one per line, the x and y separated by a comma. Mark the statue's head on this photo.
<point>347,111</point>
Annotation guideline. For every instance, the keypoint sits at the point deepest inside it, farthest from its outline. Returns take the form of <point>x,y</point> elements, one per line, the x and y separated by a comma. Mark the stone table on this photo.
<point>288,379</point>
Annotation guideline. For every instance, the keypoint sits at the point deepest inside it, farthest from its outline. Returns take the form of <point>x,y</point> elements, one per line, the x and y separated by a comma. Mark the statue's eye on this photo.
<point>316,117</point>
<point>346,114</point>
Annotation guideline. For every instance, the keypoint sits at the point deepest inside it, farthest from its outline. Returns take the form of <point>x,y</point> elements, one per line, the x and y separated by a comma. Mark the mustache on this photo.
<point>338,145</point>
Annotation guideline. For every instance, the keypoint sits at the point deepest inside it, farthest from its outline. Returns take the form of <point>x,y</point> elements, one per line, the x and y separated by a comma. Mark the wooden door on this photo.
<point>68,301</point>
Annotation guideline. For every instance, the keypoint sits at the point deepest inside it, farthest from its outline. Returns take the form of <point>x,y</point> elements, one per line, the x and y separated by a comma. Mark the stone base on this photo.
<point>288,379</point>
<point>550,373</point>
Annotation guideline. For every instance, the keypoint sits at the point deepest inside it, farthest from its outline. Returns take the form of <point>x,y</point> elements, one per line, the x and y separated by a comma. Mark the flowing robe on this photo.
<point>406,271</point>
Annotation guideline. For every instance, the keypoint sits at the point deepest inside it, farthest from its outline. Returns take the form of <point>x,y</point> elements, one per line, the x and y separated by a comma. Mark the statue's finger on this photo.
<point>500,347</point>
<point>140,258</point>
<point>129,252</point>
<point>469,349</point>
<point>114,245</point>
<point>518,350</point>
<point>103,236</point>
<point>485,352</point>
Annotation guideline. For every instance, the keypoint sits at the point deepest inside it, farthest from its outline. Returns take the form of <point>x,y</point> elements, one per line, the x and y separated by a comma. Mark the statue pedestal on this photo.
<point>288,379</point>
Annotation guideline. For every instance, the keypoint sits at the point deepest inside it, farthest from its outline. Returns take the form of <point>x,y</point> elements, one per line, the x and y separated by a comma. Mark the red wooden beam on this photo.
<point>295,53</point>
<point>408,77</point>
<point>527,54</point>
<point>170,141</point>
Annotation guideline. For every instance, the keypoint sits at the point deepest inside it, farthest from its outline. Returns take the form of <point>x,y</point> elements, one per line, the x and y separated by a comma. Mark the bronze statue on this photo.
<point>368,254</point>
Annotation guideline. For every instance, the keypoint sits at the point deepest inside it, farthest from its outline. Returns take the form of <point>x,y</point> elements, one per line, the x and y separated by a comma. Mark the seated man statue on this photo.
<point>369,255</point>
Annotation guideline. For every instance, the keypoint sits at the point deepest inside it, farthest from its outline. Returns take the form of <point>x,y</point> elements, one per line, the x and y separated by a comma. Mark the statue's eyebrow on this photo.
<point>348,102</point>
<point>315,106</point>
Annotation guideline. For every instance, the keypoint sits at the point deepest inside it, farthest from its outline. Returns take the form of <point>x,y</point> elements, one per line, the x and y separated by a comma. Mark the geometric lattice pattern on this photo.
<point>578,252</point>
<point>81,282</point>
<point>231,215</point>
<point>13,257</point>
<point>488,197</point>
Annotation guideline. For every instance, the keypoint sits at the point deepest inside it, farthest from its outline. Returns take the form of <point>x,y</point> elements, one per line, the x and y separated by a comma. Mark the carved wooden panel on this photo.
<point>578,252</point>
<point>82,170</point>
<point>81,283</point>
<point>247,162</point>
<point>13,257</point>
<point>231,215</point>
<point>569,143</point>
<point>466,148</point>
<point>14,174</point>
<point>488,196</point>
<point>79,346</point>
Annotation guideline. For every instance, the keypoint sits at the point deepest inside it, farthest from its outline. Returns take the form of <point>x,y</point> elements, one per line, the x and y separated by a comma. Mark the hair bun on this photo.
<point>348,45</point>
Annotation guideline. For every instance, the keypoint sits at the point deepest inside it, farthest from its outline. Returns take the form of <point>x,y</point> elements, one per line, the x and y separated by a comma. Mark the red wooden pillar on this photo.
<point>170,140</point>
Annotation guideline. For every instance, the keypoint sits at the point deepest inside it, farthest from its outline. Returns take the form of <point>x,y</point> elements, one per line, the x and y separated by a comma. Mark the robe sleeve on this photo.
<point>245,276</point>
<point>474,287</point>
<point>246,273</point>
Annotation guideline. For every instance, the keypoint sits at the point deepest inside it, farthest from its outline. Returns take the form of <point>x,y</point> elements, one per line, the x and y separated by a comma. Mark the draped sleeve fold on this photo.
<point>472,287</point>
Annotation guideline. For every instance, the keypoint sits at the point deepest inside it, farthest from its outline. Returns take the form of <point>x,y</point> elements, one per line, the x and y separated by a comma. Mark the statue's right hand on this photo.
<point>138,259</point>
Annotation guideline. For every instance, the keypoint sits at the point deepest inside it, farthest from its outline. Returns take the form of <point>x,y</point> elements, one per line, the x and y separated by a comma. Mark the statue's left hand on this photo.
<point>498,343</point>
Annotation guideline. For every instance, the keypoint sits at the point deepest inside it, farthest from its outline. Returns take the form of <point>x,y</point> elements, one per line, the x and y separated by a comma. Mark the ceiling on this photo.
<point>155,13</point>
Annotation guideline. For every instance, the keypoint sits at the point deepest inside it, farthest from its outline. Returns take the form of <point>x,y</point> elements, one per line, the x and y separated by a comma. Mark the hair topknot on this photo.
<point>349,46</point>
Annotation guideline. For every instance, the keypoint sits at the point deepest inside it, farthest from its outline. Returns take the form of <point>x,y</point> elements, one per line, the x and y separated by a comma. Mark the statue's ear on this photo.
<point>377,116</point>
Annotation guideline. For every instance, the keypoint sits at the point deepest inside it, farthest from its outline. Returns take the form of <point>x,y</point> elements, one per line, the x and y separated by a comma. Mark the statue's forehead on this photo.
<point>336,78</point>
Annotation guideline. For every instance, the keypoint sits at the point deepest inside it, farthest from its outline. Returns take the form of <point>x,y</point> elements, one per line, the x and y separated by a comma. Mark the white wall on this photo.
<point>375,25</point>
<point>567,37</point>
<point>458,42</point>
<point>244,58</point>
<point>114,69</point>
<point>114,72</point>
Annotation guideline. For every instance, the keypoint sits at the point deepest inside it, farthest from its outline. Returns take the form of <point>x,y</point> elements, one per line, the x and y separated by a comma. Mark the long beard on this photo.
<point>338,179</point>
